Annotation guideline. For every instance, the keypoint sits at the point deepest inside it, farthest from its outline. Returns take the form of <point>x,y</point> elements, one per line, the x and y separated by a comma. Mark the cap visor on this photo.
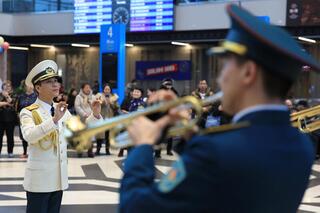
<point>217,51</point>
<point>47,77</point>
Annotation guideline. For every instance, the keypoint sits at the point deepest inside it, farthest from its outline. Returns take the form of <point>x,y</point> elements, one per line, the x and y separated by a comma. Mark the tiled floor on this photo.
<point>94,183</point>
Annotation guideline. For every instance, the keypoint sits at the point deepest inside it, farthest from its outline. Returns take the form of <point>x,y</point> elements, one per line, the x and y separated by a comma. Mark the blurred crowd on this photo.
<point>79,103</point>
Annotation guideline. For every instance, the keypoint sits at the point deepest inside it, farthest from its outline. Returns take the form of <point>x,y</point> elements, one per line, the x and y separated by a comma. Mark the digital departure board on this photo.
<point>151,15</point>
<point>89,15</point>
<point>138,15</point>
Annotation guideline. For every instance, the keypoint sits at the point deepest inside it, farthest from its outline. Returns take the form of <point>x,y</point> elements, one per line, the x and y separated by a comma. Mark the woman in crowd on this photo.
<point>136,104</point>
<point>71,98</point>
<point>82,106</point>
<point>127,99</point>
<point>109,109</point>
<point>8,116</point>
<point>27,98</point>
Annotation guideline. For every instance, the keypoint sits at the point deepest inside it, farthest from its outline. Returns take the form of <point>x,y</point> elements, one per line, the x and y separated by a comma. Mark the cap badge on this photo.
<point>49,70</point>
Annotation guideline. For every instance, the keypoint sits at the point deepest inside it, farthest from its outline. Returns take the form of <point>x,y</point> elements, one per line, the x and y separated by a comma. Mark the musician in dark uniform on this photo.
<point>258,164</point>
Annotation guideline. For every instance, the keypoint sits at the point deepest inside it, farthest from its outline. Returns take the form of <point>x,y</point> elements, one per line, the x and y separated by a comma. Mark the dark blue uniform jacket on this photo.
<point>264,167</point>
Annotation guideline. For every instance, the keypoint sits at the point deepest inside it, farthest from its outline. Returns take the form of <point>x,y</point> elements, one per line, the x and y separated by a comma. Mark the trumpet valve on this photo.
<point>74,124</point>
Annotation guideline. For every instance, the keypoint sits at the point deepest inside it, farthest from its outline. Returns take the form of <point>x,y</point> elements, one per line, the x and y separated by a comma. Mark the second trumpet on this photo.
<point>79,135</point>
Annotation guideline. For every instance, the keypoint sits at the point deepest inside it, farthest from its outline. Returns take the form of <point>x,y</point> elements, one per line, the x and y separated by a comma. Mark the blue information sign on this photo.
<point>112,57</point>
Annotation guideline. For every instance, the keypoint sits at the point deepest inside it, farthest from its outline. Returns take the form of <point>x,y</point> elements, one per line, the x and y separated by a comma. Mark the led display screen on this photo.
<point>138,15</point>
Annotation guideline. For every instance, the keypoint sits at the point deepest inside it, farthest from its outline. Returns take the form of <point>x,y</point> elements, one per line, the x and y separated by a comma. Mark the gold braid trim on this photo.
<point>52,136</point>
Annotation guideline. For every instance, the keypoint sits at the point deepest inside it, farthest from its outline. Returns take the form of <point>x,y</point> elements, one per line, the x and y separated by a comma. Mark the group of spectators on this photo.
<point>79,103</point>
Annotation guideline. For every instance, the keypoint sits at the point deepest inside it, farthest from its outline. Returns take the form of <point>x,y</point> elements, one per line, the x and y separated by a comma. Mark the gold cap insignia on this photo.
<point>49,70</point>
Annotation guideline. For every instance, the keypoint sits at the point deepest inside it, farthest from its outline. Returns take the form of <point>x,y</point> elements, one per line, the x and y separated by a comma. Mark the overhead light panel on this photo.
<point>129,45</point>
<point>307,39</point>
<point>179,43</point>
<point>18,48</point>
<point>80,45</point>
<point>41,46</point>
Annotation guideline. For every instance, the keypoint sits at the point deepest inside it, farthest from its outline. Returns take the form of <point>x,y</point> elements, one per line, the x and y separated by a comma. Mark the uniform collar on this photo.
<point>265,108</point>
<point>45,105</point>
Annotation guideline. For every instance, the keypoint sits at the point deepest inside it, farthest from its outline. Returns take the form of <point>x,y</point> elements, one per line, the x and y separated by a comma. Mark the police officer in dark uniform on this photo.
<point>260,164</point>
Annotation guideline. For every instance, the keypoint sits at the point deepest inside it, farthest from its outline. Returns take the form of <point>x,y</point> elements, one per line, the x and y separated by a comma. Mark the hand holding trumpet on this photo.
<point>142,130</point>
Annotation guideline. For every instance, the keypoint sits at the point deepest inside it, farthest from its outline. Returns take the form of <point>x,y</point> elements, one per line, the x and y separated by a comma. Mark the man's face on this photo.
<point>87,89</point>
<point>229,83</point>
<point>49,87</point>
<point>203,85</point>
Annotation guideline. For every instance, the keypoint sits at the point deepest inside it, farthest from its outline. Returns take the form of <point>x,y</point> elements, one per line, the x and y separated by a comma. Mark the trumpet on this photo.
<point>307,120</point>
<point>79,135</point>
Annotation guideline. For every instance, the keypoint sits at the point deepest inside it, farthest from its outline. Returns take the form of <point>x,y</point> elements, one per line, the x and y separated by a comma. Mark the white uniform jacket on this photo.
<point>46,170</point>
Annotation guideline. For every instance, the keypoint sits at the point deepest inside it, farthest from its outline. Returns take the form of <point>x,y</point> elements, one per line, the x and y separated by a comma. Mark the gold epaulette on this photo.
<point>224,128</point>
<point>32,107</point>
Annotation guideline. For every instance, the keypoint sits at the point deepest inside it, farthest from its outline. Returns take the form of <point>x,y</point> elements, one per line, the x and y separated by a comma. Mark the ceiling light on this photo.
<point>129,45</point>
<point>18,48</point>
<point>179,43</point>
<point>307,39</point>
<point>41,46</point>
<point>80,45</point>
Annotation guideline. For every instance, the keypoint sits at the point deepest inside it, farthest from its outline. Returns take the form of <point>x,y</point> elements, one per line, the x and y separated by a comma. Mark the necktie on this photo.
<point>52,111</point>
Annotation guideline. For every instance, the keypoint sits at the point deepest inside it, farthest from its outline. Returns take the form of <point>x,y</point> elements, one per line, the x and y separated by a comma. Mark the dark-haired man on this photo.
<point>202,92</point>
<point>260,163</point>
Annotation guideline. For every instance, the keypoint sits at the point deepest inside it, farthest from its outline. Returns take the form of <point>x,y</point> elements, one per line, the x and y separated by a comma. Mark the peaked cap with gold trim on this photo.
<point>44,70</point>
<point>267,45</point>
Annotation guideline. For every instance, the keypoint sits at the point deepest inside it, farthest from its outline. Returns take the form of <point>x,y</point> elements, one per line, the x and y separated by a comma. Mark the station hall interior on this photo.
<point>115,47</point>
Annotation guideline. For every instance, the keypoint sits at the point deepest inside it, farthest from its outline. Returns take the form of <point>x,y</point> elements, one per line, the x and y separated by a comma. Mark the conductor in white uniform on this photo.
<point>42,126</point>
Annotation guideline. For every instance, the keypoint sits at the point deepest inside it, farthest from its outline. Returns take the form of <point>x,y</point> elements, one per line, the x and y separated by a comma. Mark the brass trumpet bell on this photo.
<point>73,130</point>
<point>307,120</point>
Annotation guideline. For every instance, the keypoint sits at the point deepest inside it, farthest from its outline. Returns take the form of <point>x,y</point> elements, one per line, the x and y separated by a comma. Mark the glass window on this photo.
<point>13,6</point>
<point>43,5</point>
<point>67,5</point>
<point>17,6</point>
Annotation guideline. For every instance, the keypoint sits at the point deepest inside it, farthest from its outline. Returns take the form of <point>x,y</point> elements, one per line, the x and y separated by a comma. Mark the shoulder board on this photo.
<point>32,107</point>
<point>224,128</point>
